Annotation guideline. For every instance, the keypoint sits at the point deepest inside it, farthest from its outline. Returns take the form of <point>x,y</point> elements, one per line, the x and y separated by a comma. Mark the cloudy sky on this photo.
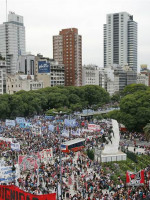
<point>45,18</point>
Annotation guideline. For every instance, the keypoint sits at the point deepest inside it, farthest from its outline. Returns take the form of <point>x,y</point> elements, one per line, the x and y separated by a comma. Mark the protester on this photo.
<point>82,178</point>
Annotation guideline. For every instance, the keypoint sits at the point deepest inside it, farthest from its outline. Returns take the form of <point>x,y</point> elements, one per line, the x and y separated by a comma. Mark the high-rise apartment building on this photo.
<point>67,50</point>
<point>12,40</point>
<point>120,40</point>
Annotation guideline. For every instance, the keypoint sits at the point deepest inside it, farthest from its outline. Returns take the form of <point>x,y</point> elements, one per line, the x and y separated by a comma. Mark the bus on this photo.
<point>73,145</point>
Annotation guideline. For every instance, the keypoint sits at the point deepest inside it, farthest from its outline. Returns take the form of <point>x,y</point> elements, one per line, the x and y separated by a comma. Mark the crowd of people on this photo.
<point>78,177</point>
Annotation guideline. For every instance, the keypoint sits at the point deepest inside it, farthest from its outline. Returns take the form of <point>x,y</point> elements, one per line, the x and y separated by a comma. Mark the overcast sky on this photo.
<point>45,18</point>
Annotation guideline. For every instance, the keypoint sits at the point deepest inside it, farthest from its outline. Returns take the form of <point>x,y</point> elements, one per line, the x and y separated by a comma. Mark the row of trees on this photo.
<point>29,103</point>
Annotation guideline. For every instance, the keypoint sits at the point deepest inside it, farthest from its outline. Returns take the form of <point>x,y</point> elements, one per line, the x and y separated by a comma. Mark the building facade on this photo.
<point>49,71</point>
<point>120,40</point>
<point>67,50</point>
<point>114,79</point>
<point>12,40</point>
<point>26,64</point>
<point>143,79</point>
<point>18,82</point>
<point>90,75</point>
<point>57,74</point>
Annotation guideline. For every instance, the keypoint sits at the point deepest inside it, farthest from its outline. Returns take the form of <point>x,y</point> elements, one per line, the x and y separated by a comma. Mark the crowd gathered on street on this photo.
<point>76,175</point>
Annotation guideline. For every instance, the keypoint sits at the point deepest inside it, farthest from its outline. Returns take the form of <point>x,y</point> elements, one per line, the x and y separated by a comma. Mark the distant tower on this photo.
<point>67,50</point>
<point>12,40</point>
<point>120,40</point>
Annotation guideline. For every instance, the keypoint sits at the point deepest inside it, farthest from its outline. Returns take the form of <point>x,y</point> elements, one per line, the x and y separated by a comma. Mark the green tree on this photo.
<point>135,110</point>
<point>95,94</point>
<point>116,97</point>
<point>147,132</point>
<point>130,89</point>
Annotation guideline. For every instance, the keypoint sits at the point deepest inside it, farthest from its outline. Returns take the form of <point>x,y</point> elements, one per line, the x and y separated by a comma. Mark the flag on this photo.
<point>135,178</point>
<point>51,128</point>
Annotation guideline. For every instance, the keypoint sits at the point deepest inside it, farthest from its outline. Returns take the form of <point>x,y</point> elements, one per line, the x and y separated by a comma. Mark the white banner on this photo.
<point>20,120</point>
<point>46,155</point>
<point>94,127</point>
<point>9,122</point>
<point>7,175</point>
<point>86,130</point>
<point>15,146</point>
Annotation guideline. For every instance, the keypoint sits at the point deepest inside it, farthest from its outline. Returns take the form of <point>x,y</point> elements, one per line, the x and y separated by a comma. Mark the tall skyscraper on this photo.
<point>120,40</point>
<point>67,50</point>
<point>12,40</point>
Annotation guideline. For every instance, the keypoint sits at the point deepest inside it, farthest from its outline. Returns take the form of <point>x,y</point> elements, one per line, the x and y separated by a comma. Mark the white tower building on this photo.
<point>12,40</point>
<point>120,40</point>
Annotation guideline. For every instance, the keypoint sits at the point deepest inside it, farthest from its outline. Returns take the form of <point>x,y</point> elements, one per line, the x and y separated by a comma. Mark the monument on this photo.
<point>111,150</point>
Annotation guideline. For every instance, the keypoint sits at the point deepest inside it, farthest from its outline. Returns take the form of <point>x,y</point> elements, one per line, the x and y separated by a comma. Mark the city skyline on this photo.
<point>87,16</point>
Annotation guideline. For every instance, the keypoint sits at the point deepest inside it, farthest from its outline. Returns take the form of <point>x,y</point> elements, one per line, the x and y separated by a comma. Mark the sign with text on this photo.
<point>94,127</point>
<point>9,122</point>
<point>11,192</point>
<point>43,67</point>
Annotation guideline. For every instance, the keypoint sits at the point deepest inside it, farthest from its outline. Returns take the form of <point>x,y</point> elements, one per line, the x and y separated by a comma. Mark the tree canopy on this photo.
<point>134,107</point>
<point>40,101</point>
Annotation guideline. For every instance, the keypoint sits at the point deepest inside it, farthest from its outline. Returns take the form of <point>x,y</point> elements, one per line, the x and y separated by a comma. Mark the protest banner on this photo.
<point>94,127</point>
<point>25,125</point>
<point>46,155</point>
<point>135,178</point>
<point>12,192</point>
<point>51,127</point>
<point>20,120</point>
<point>15,146</point>
<point>28,162</point>
<point>70,123</point>
<point>9,122</point>
<point>7,175</point>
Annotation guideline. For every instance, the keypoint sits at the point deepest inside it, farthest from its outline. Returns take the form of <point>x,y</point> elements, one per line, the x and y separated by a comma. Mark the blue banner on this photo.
<point>43,67</point>
<point>51,128</point>
<point>49,117</point>
<point>25,125</point>
<point>20,120</point>
<point>9,122</point>
<point>70,123</point>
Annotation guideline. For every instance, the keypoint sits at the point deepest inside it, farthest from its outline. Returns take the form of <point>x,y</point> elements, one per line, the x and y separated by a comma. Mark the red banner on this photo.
<point>135,179</point>
<point>12,192</point>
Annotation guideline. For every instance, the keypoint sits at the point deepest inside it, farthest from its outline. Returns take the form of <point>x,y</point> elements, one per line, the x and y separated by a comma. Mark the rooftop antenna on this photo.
<point>6,10</point>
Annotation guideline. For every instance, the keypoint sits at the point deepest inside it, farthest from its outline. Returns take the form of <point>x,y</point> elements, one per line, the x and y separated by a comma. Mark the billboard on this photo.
<point>43,67</point>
